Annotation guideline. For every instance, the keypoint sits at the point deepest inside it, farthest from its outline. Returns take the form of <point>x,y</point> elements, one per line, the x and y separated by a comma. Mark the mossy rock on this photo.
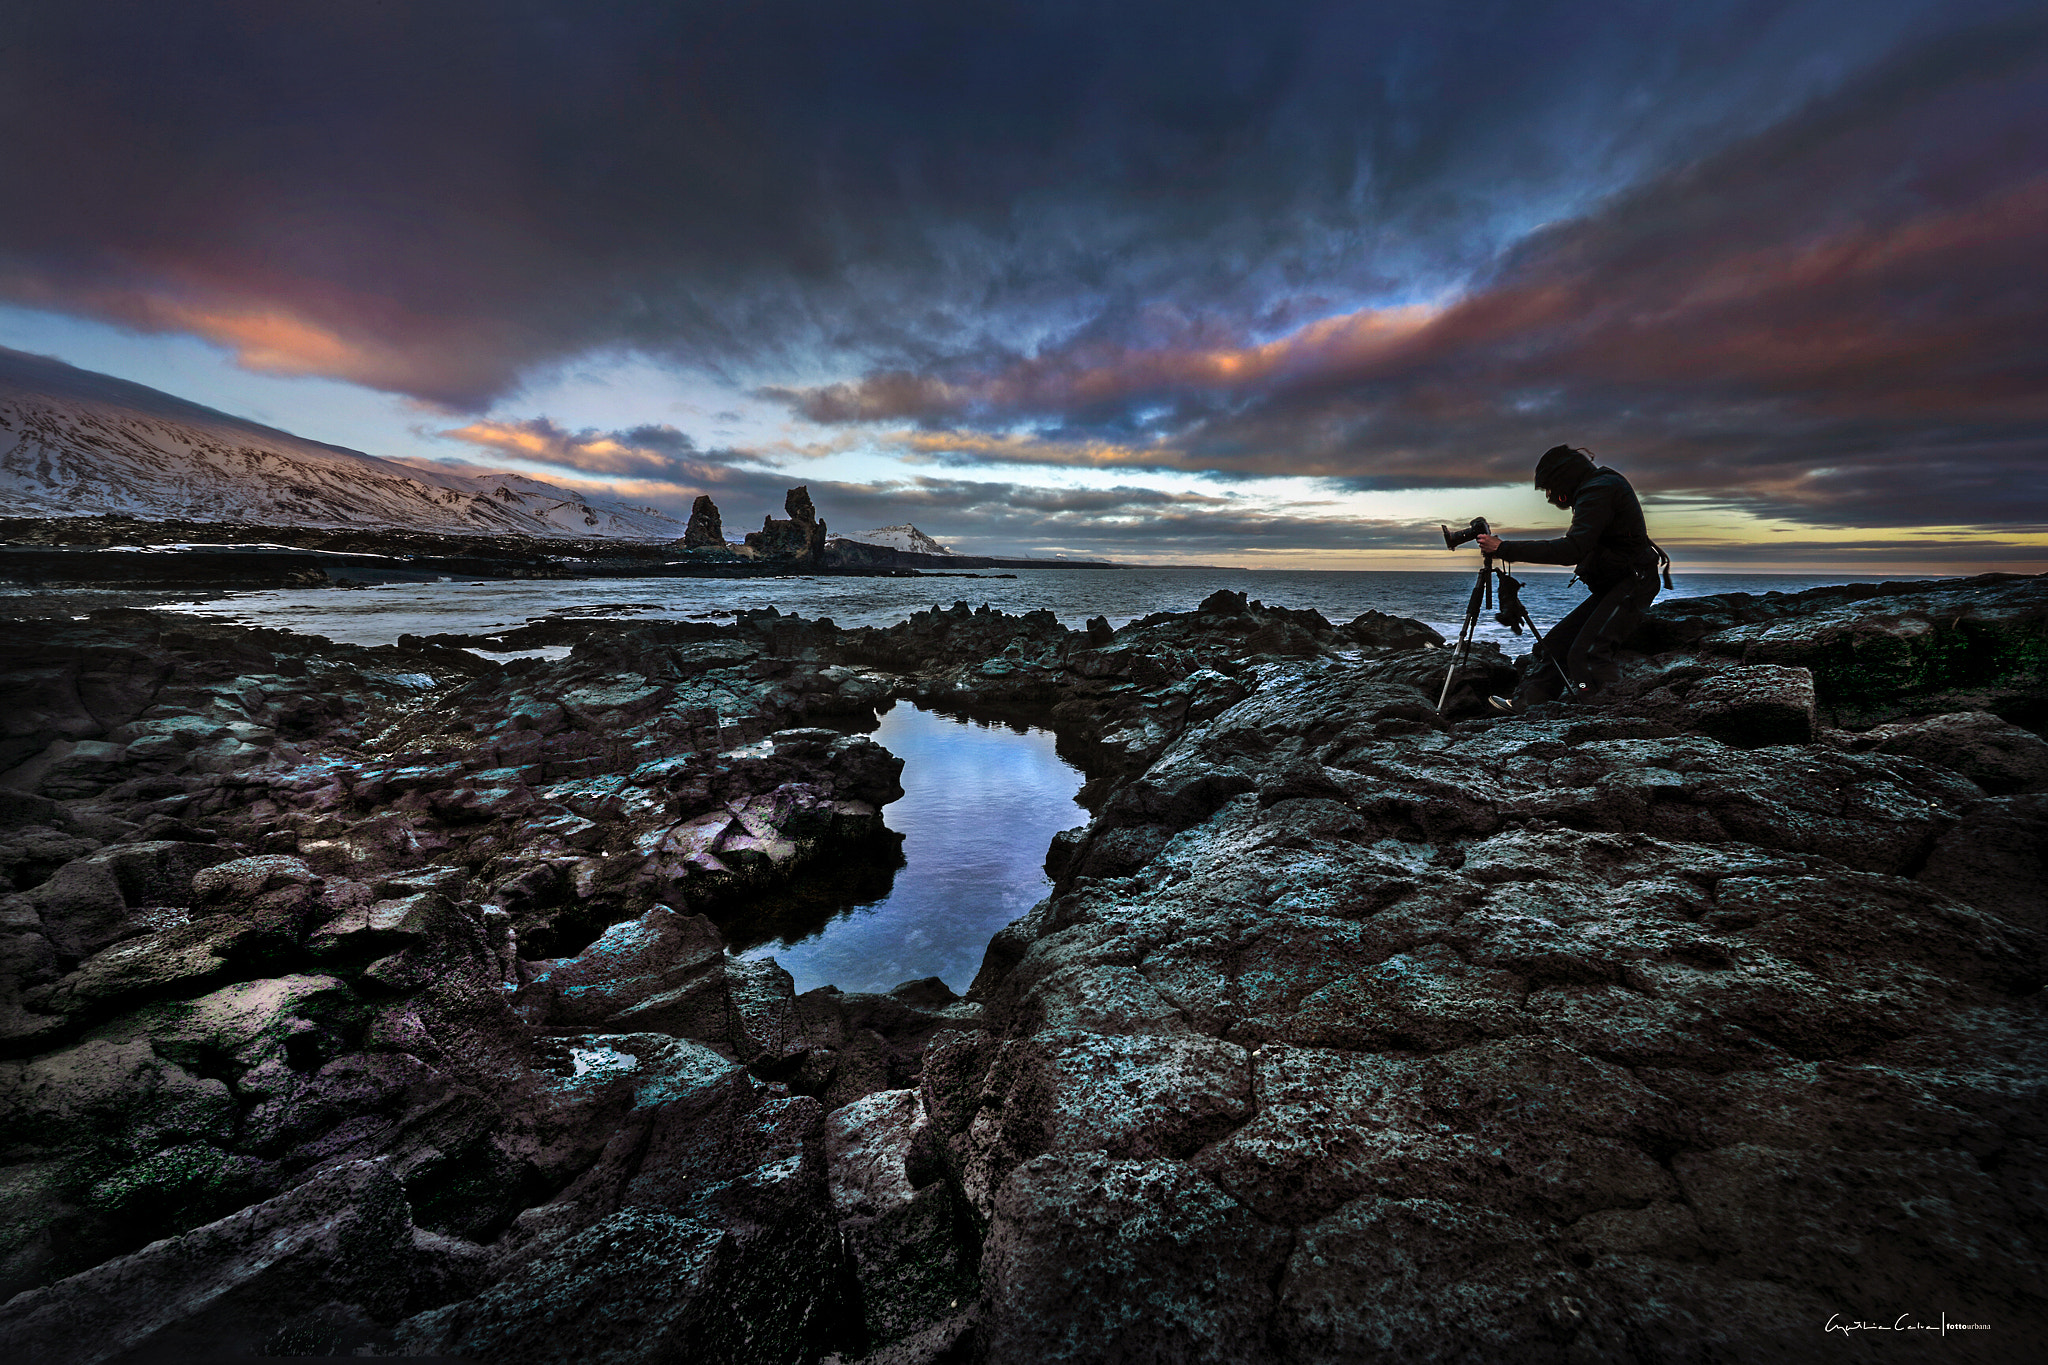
<point>177,1188</point>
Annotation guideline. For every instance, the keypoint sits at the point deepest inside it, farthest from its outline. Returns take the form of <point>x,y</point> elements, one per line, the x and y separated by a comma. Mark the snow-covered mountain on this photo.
<point>75,443</point>
<point>904,537</point>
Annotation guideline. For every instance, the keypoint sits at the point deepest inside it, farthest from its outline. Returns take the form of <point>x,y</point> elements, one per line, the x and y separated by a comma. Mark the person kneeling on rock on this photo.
<point>1610,548</point>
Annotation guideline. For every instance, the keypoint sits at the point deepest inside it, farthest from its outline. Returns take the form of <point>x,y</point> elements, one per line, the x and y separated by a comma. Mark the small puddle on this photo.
<point>980,803</point>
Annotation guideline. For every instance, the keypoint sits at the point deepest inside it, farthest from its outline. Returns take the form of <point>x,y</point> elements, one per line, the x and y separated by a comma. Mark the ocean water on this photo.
<point>980,804</point>
<point>379,615</point>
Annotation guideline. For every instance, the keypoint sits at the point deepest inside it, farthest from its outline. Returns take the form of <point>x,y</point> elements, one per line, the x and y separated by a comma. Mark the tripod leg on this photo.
<point>1472,608</point>
<point>1457,660</point>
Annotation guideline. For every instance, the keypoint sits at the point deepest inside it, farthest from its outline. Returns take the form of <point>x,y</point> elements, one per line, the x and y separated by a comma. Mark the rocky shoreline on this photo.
<point>377,999</point>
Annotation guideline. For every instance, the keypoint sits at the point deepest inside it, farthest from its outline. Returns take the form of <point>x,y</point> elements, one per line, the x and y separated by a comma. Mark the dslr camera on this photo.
<point>1453,539</point>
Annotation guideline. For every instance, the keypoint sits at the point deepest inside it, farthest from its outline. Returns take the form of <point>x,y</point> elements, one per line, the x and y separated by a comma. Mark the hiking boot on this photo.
<point>1586,693</point>
<point>1506,706</point>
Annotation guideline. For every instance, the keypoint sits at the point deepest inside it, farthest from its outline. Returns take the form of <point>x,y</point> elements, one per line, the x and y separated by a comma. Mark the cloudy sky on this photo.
<point>1264,284</point>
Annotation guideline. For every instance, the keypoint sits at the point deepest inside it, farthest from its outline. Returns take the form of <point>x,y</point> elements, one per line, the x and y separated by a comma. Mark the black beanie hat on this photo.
<point>1562,467</point>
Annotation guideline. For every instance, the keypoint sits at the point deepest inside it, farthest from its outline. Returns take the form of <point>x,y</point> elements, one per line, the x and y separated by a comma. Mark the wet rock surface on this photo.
<point>1664,1029</point>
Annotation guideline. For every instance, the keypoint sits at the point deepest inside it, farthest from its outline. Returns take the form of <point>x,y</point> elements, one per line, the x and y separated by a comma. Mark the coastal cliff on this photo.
<point>1674,1028</point>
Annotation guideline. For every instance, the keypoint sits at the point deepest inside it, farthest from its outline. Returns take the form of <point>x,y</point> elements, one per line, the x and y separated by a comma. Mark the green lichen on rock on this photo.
<point>177,1188</point>
<point>1877,659</point>
<point>1887,662</point>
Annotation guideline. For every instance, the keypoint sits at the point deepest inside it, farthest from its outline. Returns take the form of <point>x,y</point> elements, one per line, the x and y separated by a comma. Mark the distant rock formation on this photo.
<point>705,530</point>
<point>801,538</point>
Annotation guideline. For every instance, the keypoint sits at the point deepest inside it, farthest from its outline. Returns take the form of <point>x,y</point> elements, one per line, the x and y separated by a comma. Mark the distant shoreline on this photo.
<point>108,552</point>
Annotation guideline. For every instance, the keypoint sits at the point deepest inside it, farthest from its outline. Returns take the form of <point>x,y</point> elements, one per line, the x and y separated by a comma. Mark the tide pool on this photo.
<point>980,803</point>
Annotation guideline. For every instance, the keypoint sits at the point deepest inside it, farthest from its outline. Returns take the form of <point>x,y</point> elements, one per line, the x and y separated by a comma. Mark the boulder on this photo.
<point>1089,1259</point>
<point>241,881</point>
<point>767,1028</point>
<point>582,1087</point>
<point>1882,651</point>
<point>361,929</point>
<point>27,962</point>
<point>863,770</point>
<point>897,1217</point>
<point>112,1094</point>
<point>452,1147</point>
<point>708,1217</point>
<point>696,1006</point>
<point>1378,630</point>
<point>1996,858</point>
<point>1224,602</point>
<point>162,871</point>
<point>297,1275</point>
<point>19,809</point>
<point>81,907</point>
<point>641,1286</point>
<point>185,959</point>
<point>630,964</point>
<point>613,703</point>
<point>84,768</point>
<point>1754,706</point>
<point>292,1022</point>
<point>29,854</point>
<point>1997,755</point>
<point>114,893</point>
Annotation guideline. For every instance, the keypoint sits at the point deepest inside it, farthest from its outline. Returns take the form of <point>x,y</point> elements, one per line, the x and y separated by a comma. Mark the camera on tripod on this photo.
<point>1453,539</point>
<point>1513,614</point>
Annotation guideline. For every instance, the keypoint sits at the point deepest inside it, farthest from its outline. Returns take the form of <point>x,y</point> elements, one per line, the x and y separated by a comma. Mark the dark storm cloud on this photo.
<point>437,199</point>
<point>1841,318</point>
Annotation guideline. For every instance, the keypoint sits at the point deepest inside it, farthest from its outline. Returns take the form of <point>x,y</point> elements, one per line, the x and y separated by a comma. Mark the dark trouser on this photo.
<point>1583,643</point>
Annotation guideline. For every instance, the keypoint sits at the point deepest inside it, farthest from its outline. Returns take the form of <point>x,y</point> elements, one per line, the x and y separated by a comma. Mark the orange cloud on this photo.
<point>1349,341</point>
<point>660,453</point>
<point>1011,448</point>
<point>272,341</point>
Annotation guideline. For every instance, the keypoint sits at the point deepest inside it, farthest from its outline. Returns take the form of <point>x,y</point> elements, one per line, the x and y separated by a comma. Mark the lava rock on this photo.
<point>704,529</point>
<point>1997,755</point>
<point>914,1257</point>
<point>1755,706</point>
<point>264,1281</point>
<point>1995,857</point>
<point>630,964</point>
<point>1091,1259</point>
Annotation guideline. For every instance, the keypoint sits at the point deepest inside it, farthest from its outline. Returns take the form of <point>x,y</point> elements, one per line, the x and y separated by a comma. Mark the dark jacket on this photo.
<point>1607,541</point>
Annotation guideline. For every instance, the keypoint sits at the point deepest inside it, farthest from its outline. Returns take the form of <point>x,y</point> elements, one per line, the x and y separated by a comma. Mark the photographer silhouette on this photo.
<point>1609,546</point>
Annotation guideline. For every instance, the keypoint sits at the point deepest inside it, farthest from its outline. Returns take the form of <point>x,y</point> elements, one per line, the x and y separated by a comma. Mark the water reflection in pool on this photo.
<point>980,803</point>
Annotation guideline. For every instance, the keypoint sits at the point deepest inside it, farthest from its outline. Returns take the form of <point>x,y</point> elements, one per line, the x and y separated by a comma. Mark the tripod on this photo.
<point>1512,614</point>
